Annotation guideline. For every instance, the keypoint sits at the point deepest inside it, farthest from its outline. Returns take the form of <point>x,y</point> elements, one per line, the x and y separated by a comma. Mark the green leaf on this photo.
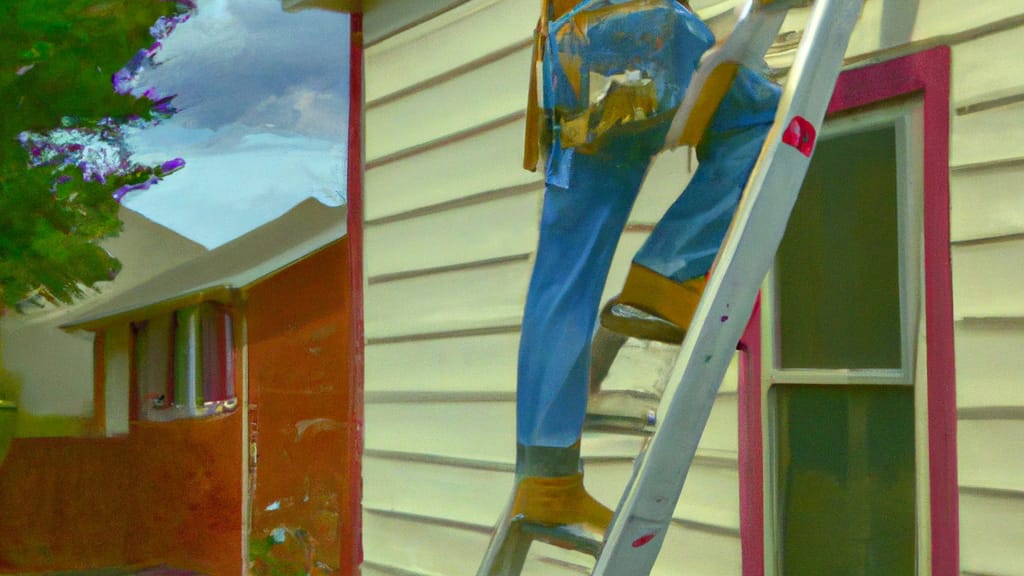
<point>49,230</point>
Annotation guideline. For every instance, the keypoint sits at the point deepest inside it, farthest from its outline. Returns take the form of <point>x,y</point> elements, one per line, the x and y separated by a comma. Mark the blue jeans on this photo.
<point>580,227</point>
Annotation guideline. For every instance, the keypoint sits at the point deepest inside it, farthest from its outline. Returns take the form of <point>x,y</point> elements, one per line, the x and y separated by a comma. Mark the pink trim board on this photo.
<point>927,74</point>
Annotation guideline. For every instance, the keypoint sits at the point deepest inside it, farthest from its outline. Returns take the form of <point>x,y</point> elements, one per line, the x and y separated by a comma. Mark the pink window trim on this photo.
<point>926,73</point>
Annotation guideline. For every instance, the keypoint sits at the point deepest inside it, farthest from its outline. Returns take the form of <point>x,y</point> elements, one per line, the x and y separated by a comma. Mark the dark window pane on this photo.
<point>845,480</point>
<point>185,358</point>
<point>153,364</point>
<point>216,352</point>
<point>838,266</point>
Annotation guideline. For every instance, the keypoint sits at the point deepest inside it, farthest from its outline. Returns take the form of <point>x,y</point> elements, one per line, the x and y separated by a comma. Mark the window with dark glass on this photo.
<point>842,392</point>
<point>182,363</point>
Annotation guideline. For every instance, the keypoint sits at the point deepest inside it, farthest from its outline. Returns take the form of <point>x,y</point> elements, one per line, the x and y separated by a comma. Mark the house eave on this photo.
<point>225,294</point>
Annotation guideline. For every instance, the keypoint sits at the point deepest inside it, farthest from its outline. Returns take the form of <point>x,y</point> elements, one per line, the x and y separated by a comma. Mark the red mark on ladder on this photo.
<point>641,541</point>
<point>800,135</point>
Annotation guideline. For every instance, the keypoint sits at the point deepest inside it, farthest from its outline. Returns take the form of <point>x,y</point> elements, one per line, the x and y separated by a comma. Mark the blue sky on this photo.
<point>262,124</point>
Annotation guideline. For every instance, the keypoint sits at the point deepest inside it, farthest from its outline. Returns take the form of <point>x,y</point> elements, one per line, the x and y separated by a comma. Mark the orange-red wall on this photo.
<point>300,409</point>
<point>169,493</point>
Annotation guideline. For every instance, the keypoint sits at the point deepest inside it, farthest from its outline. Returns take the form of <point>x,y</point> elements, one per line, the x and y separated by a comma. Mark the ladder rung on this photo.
<point>622,411</point>
<point>618,425</point>
<point>781,5</point>
<point>568,537</point>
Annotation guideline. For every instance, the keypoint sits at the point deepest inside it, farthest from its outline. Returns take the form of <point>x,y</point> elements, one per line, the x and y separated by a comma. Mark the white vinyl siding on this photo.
<point>451,227</point>
<point>452,222</point>
<point>987,227</point>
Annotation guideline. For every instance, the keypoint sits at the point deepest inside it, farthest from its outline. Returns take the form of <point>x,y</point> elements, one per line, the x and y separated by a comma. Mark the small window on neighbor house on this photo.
<point>152,362</point>
<point>183,363</point>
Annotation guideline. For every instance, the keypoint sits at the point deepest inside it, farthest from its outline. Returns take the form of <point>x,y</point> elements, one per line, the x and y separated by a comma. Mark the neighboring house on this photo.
<point>174,470</point>
<point>883,368</point>
<point>56,398</point>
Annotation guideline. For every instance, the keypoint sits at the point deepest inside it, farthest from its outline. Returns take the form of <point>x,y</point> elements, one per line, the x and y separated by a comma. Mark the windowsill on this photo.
<point>175,413</point>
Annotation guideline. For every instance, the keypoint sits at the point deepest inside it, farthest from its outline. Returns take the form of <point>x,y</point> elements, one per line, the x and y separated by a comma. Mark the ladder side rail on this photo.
<point>507,549</point>
<point>641,522</point>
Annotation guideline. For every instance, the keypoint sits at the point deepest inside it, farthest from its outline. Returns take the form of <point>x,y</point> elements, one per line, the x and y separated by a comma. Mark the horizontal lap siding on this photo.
<point>451,225</point>
<point>386,19</point>
<point>432,496</point>
<point>493,90</point>
<point>474,494</point>
<point>467,364</point>
<point>987,277</point>
<point>978,82</point>
<point>986,202</point>
<point>474,30</point>
<point>452,219</point>
<point>462,300</point>
<point>484,162</point>
<point>888,24</point>
<point>987,223</point>
<point>988,136</point>
<point>987,162</point>
<point>470,430</point>
<point>990,452</point>
<point>991,533</point>
<point>444,189</point>
<point>989,363</point>
<point>494,225</point>
<point>381,529</point>
<point>479,430</point>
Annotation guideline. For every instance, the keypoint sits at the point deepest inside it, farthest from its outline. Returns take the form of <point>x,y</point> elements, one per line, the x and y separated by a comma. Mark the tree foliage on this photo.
<point>56,69</point>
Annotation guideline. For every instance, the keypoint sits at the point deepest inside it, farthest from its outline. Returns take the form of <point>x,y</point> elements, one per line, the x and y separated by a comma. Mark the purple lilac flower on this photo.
<point>166,24</point>
<point>126,79</point>
<point>122,81</point>
<point>164,107</point>
<point>172,166</point>
<point>96,152</point>
<point>120,193</point>
<point>100,151</point>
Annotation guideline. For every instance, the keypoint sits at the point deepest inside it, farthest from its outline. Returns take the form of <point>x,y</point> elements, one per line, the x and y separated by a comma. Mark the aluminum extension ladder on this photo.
<point>634,538</point>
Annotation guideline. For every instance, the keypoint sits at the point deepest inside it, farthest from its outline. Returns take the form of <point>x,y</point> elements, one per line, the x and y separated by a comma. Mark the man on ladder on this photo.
<point>610,73</point>
<point>613,74</point>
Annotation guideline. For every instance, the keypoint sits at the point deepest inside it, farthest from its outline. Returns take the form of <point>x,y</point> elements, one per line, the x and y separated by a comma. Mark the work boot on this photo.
<point>549,490</point>
<point>653,307</point>
<point>650,307</point>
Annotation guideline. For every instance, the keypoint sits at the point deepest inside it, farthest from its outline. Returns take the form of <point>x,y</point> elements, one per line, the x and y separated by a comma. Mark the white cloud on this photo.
<point>318,113</point>
<point>234,54</point>
<point>225,191</point>
<point>263,100</point>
